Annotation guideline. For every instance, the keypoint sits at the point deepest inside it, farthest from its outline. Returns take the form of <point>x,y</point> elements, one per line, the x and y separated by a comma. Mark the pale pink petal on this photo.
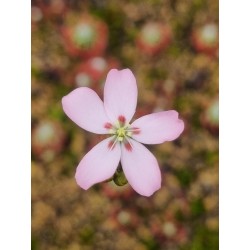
<point>120,94</point>
<point>141,168</point>
<point>86,109</point>
<point>158,127</point>
<point>98,165</point>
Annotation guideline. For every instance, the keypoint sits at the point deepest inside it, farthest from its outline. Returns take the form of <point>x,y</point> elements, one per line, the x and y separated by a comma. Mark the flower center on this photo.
<point>121,133</point>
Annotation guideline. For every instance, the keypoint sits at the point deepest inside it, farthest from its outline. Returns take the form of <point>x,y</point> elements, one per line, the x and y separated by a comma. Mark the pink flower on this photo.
<point>112,117</point>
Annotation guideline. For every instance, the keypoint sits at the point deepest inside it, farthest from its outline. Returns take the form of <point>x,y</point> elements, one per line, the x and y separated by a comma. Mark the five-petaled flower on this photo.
<point>112,116</point>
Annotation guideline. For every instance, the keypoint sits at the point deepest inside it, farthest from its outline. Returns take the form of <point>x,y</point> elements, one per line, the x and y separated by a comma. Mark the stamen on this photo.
<point>120,139</point>
<point>112,143</point>
<point>129,133</point>
<point>128,145</point>
<point>135,131</point>
<point>112,131</point>
<point>108,125</point>
<point>122,120</point>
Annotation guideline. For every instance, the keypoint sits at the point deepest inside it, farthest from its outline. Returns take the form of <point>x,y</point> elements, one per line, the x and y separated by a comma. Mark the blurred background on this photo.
<point>172,48</point>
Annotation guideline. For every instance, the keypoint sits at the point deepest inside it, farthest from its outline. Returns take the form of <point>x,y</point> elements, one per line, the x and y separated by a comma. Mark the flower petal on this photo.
<point>120,94</point>
<point>141,168</point>
<point>158,127</point>
<point>98,165</point>
<point>86,109</point>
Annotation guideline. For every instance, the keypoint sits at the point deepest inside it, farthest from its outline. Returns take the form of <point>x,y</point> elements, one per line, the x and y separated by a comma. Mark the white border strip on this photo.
<point>234,125</point>
<point>15,191</point>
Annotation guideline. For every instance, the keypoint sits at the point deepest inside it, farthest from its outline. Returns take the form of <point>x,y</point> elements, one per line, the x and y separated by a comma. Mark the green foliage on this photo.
<point>87,235</point>
<point>185,176</point>
<point>202,239</point>
<point>197,208</point>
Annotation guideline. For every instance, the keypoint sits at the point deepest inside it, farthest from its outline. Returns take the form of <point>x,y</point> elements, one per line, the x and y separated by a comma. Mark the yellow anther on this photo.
<point>120,139</point>
<point>129,134</point>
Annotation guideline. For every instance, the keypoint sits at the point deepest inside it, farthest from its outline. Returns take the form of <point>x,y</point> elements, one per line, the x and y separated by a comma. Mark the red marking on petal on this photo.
<point>108,125</point>
<point>121,119</point>
<point>128,147</point>
<point>136,131</point>
<point>111,145</point>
